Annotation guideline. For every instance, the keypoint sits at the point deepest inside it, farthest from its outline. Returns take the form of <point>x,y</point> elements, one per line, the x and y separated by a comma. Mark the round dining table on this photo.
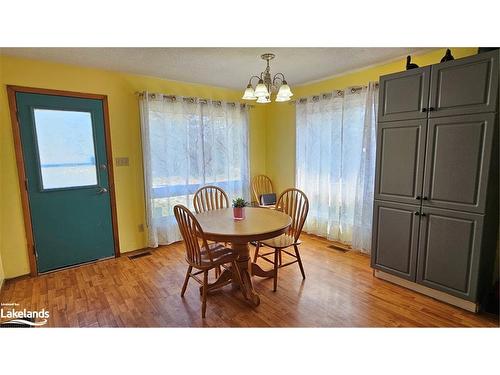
<point>259,224</point>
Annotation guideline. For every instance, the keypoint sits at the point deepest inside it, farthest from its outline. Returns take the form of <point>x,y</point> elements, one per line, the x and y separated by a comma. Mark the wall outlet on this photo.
<point>141,227</point>
<point>122,161</point>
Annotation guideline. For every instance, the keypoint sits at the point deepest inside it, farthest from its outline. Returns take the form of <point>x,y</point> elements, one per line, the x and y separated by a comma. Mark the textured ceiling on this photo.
<point>223,67</point>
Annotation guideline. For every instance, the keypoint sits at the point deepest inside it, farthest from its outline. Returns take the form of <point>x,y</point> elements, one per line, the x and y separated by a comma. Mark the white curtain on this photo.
<point>336,163</point>
<point>188,143</point>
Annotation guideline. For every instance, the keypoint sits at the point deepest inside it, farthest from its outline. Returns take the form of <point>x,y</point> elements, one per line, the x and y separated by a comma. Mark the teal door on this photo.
<point>64,150</point>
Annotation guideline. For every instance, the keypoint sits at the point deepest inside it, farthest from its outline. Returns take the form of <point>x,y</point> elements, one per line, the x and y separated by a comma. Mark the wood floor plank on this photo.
<point>339,291</point>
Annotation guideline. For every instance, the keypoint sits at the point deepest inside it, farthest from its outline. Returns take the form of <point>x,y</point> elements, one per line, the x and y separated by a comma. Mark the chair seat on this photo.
<point>220,254</point>
<point>280,242</point>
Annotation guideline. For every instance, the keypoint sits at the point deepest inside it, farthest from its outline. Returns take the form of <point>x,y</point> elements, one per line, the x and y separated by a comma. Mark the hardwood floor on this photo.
<point>339,291</point>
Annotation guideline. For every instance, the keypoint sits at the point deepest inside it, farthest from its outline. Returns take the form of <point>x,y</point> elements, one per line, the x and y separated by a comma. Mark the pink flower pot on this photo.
<point>239,213</point>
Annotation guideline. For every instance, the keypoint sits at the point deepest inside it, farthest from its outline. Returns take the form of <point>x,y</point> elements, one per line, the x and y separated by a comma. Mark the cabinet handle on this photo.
<point>424,198</point>
<point>423,110</point>
<point>431,109</point>
<point>417,197</point>
<point>423,214</point>
<point>417,213</point>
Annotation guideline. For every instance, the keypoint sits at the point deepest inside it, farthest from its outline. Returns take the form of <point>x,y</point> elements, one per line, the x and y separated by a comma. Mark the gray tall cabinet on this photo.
<point>436,183</point>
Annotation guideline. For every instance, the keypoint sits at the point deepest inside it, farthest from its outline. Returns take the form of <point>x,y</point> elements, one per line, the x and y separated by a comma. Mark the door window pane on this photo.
<point>66,148</point>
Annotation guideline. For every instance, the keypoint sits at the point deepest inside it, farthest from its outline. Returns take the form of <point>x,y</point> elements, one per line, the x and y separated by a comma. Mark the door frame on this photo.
<point>12,90</point>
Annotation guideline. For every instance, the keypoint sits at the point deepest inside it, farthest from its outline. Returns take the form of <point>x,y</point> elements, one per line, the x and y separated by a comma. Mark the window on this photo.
<point>188,144</point>
<point>336,164</point>
<point>65,148</point>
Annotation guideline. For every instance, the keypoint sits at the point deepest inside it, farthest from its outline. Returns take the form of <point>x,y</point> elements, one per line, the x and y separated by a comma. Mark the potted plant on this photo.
<point>239,208</point>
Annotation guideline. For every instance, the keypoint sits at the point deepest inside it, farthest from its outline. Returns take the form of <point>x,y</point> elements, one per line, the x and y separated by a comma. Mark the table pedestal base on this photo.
<point>244,264</point>
<point>246,270</point>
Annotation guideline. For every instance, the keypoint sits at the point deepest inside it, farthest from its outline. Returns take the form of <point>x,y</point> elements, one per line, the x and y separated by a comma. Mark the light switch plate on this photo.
<point>122,161</point>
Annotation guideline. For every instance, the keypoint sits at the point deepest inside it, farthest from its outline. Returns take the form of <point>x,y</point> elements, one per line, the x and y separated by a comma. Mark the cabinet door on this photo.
<point>400,160</point>
<point>395,238</point>
<point>458,162</point>
<point>405,95</point>
<point>464,86</point>
<point>449,249</point>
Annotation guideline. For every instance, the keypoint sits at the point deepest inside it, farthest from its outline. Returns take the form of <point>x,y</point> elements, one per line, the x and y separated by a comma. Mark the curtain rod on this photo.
<point>194,99</point>
<point>352,89</point>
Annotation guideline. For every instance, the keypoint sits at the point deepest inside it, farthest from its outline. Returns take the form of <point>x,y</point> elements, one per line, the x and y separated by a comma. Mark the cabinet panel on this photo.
<point>395,238</point>
<point>404,95</point>
<point>449,248</point>
<point>464,86</point>
<point>400,160</point>
<point>458,162</point>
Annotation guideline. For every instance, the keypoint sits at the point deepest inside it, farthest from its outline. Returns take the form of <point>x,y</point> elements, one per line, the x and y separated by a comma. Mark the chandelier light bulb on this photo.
<point>249,93</point>
<point>285,91</point>
<point>261,90</point>
<point>263,99</point>
<point>282,98</point>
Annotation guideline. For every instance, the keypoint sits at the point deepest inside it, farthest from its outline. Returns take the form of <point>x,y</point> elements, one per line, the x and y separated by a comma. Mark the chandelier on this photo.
<point>266,86</point>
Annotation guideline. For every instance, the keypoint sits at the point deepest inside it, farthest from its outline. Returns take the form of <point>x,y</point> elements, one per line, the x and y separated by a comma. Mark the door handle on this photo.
<point>102,190</point>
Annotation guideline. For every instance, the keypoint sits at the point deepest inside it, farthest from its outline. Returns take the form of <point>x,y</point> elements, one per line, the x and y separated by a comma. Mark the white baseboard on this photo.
<point>441,296</point>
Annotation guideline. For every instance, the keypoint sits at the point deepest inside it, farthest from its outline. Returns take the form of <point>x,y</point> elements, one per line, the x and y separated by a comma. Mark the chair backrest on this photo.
<point>261,184</point>
<point>192,234</point>
<point>295,204</point>
<point>209,198</point>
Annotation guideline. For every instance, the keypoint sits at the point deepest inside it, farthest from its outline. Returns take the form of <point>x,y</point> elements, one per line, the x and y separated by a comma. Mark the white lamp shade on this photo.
<point>249,94</point>
<point>263,99</point>
<point>261,91</point>
<point>282,98</point>
<point>284,91</point>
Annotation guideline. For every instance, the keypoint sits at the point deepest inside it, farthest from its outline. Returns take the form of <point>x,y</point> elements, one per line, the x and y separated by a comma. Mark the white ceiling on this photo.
<point>223,67</point>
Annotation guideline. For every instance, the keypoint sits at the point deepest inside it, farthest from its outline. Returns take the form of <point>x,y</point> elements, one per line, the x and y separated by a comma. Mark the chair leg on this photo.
<point>190,268</point>
<point>276,265</point>
<point>281,260</point>
<point>297,254</point>
<point>257,247</point>
<point>218,271</point>
<point>204,297</point>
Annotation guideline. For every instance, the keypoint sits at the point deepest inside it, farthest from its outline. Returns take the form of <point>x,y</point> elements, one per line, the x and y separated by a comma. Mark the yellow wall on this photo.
<point>125,137</point>
<point>280,163</point>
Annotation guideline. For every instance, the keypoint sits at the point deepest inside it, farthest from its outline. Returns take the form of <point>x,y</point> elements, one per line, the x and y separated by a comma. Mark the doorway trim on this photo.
<point>11,94</point>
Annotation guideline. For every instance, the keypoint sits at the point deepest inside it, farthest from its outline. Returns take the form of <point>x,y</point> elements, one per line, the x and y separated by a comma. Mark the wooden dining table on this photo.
<point>259,224</point>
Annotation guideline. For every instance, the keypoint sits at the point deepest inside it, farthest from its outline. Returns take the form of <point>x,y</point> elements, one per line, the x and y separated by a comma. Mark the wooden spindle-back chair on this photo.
<point>262,184</point>
<point>199,254</point>
<point>209,198</point>
<point>294,203</point>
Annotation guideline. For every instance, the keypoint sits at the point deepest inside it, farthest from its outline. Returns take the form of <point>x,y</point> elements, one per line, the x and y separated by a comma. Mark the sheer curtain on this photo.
<point>188,143</point>
<point>336,163</point>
